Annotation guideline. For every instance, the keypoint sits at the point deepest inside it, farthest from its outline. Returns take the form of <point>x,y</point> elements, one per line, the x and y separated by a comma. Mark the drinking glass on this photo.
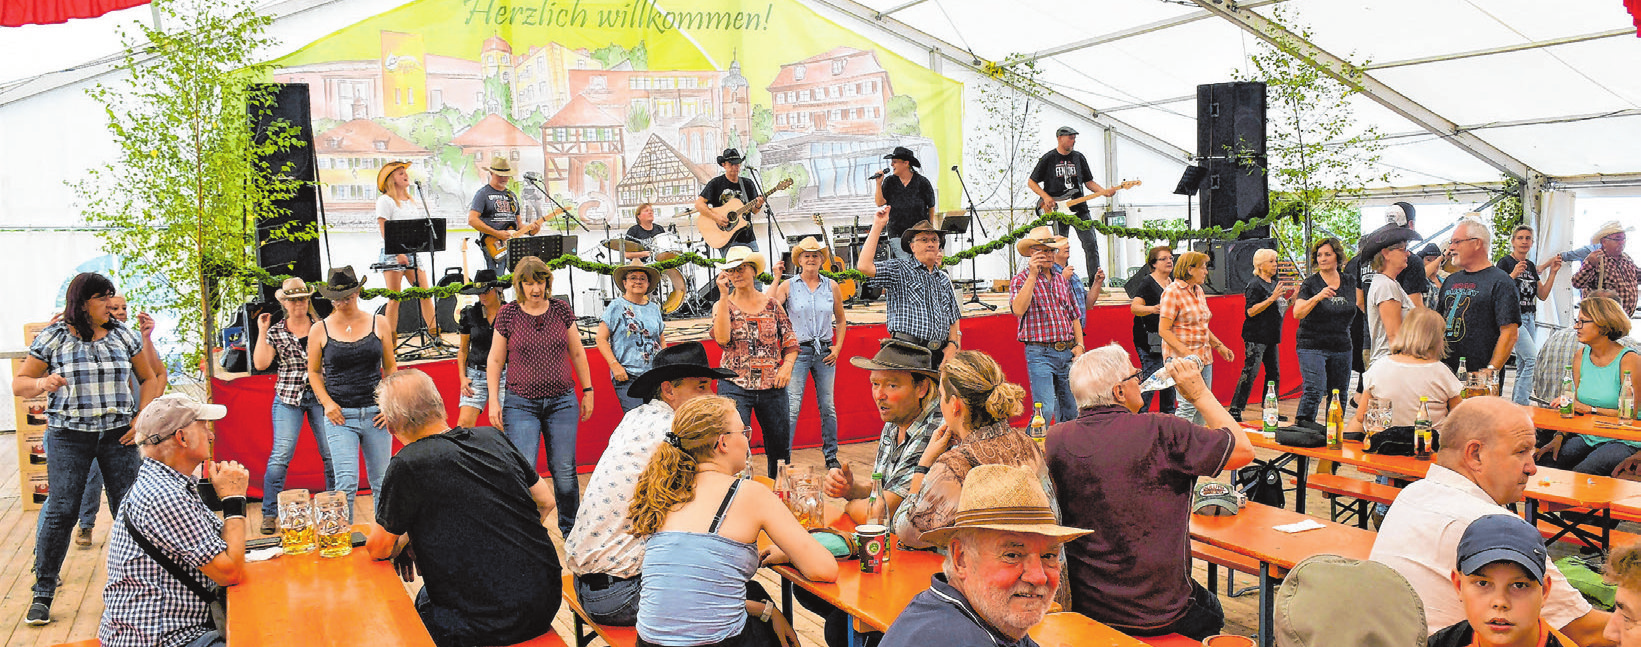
<point>331,517</point>
<point>297,533</point>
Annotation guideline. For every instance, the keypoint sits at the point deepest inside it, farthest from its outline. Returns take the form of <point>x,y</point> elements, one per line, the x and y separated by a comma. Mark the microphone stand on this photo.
<point>568,218</point>
<point>770,226</point>
<point>975,223</point>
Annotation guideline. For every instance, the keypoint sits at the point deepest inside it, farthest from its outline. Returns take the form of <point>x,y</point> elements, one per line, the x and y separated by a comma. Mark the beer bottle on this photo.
<point>1423,434</point>
<point>1336,419</point>
<point>879,515</point>
<point>783,484</point>
<point>1039,425</point>
<point>1626,401</point>
<point>1567,395</point>
<point>1464,378</point>
<point>1271,416</point>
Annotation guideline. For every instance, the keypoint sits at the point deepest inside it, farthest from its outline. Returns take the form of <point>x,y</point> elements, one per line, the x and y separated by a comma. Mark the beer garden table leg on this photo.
<point>786,599</point>
<point>1267,605</point>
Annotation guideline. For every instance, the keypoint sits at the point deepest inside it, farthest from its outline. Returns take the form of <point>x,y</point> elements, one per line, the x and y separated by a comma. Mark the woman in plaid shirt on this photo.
<point>293,398</point>
<point>1182,322</point>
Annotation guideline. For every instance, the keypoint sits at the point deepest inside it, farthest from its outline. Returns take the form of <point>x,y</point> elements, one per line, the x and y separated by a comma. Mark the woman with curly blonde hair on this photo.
<point>977,402</point>
<point>701,549</point>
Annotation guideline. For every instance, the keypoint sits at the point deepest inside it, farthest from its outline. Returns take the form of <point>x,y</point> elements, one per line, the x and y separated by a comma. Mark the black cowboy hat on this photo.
<point>675,362</point>
<point>731,156</point>
<point>484,281</point>
<point>896,355</point>
<point>912,232</point>
<point>1383,238</point>
<point>904,154</point>
<point>341,283</point>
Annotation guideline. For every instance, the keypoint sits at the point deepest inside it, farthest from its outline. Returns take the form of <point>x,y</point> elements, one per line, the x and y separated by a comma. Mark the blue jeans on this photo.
<point>1049,371</point>
<point>1189,411</point>
<point>1324,371</point>
<point>358,432</point>
<point>628,403</point>
<point>92,501</point>
<point>287,425</point>
<point>1150,362</point>
<point>809,363</point>
<point>528,421</point>
<point>615,605</point>
<point>1578,455</point>
<point>1253,357</point>
<point>68,461</point>
<point>1526,358</point>
<point>771,407</point>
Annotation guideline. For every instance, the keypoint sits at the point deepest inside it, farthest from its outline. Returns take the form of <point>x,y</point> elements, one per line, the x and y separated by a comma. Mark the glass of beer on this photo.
<point>1479,385</point>
<point>296,522</point>
<point>330,511</point>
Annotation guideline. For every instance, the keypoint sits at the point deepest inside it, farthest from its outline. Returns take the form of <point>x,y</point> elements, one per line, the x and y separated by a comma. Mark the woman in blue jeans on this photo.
<point>83,364</point>
<point>348,353</point>
<point>631,330</point>
<point>1531,289</point>
<point>760,347</point>
<point>1323,340</point>
<point>287,341</point>
<point>536,346</point>
<point>814,304</point>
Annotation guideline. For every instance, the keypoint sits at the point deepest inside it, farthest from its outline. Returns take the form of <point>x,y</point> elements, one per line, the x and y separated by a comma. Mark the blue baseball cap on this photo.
<point>1502,538</point>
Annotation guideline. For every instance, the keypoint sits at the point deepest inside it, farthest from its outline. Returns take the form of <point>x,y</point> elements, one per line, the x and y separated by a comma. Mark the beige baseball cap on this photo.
<point>169,413</point>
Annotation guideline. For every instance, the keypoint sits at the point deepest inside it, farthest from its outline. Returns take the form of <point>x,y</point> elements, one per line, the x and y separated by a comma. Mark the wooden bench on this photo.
<point>1614,537</point>
<point>549,639</point>
<point>1232,562</point>
<point>1363,492</point>
<point>613,636</point>
<point>83,643</point>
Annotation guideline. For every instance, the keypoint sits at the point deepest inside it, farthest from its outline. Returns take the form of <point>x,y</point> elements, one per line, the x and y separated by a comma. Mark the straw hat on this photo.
<point>740,255</point>
<point>634,265</point>
<point>1608,229</point>
<point>388,169</point>
<point>1006,498</point>
<point>808,244</point>
<point>293,288</point>
<point>1043,235</point>
<point>499,166</point>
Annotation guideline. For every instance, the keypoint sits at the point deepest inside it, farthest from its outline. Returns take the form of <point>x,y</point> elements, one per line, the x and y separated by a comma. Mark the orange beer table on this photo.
<point>1252,533</point>
<point>1551,419</point>
<point>312,600</point>
<point>1068,629</point>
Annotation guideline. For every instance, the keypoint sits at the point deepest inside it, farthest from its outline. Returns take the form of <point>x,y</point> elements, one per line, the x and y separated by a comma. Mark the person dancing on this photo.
<point>814,303</point>
<point>287,343</point>
<point>1145,299</point>
<point>396,203</point>
<point>536,347</point>
<point>477,325</point>
<point>631,330</point>
<point>83,364</point>
<point>348,353</point>
<point>760,347</point>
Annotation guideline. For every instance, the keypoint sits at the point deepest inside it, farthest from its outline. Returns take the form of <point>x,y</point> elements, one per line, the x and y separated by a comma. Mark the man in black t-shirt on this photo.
<point>494,212</point>
<point>1062,174</point>
<point>731,185</point>
<point>1480,302</point>
<point>908,193</point>
<point>464,508</point>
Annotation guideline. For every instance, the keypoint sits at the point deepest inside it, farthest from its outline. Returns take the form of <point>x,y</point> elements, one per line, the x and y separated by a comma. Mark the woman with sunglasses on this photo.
<point>760,346</point>
<point>1597,379</point>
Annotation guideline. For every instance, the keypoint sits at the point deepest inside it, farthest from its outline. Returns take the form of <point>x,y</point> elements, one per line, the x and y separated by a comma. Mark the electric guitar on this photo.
<point>1067,202</point>
<point>833,262</point>
<point>735,213</point>
<point>493,247</point>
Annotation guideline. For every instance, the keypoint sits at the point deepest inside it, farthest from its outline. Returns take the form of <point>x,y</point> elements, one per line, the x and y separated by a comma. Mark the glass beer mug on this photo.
<point>296,529</point>
<point>331,516</point>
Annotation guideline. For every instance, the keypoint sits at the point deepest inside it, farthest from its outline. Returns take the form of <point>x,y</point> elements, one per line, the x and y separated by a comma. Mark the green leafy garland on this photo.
<point>692,258</point>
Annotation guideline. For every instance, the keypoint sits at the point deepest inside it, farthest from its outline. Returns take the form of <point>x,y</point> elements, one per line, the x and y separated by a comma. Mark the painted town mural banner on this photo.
<point>616,103</point>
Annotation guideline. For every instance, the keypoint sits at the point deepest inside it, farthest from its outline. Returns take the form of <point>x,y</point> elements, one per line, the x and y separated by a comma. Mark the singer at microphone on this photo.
<point>908,193</point>
<point>879,174</point>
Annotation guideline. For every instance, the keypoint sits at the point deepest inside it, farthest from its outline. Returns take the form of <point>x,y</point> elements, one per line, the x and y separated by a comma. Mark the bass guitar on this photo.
<point>737,214</point>
<point>833,262</point>
<point>1066,201</point>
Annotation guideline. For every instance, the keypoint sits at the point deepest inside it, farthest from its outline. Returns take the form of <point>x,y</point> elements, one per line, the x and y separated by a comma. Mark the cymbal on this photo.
<point>624,245</point>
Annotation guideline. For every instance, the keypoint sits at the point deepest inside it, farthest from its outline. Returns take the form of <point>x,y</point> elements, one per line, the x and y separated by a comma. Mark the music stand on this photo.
<point>545,247</point>
<point>958,223</point>
<point>412,237</point>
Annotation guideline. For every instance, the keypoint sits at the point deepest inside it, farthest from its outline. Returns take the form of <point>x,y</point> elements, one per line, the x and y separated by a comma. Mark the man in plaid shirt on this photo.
<point>1050,325</point>
<point>1610,268</point>
<point>145,605</point>
<point>920,306</point>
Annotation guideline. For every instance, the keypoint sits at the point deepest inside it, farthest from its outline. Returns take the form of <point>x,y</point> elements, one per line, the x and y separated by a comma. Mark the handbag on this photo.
<point>1393,441</point>
<point>216,603</point>
<point>1261,483</point>
<point>1297,436</point>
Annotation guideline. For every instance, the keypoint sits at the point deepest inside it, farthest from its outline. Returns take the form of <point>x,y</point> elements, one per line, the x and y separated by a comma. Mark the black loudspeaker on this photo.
<point>1231,145</point>
<point>444,310</point>
<point>276,253</point>
<point>1231,263</point>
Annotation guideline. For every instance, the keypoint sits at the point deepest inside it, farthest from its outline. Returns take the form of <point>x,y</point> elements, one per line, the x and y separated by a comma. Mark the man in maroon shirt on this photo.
<point>1129,476</point>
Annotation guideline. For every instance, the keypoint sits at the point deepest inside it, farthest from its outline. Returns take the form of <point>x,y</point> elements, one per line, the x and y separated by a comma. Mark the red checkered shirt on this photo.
<point>1187,305</point>
<point>1049,316</point>
<point>1601,271</point>
<point>291,353</point>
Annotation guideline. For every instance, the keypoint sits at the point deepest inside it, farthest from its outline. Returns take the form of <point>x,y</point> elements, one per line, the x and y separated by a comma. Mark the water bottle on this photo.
<point>783,484</point>
<point>1423,432</point>
<point>1271,416</point>
<point>1566,399</point>
<point>1336,419</point>
<point>1626,401</point>
<point>1464,378</point>
<point>1161,379</point>
<point>1039,425</point>
<point>875,515</point>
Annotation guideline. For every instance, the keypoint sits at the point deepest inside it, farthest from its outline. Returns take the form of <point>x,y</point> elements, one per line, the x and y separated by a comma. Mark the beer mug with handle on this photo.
<point>331,516</point>
<point>296,522</point>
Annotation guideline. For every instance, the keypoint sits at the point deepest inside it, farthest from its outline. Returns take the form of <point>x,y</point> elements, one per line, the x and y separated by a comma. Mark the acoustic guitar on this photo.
<point>737,214</point>
<point>493,247</point>
<point>833,262</point>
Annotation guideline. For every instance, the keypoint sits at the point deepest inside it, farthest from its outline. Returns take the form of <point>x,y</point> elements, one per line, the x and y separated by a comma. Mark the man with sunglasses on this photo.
<point>1610,268</point>
<point>1479,302</point>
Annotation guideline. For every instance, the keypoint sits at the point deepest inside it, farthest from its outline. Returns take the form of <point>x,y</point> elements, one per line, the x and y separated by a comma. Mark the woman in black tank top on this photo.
<point>348,353</point>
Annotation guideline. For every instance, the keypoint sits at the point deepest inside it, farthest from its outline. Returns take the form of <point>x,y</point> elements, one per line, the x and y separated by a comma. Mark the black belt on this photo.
<point>914,340</point>
<point>1056,345</point>
<point>601,581</point>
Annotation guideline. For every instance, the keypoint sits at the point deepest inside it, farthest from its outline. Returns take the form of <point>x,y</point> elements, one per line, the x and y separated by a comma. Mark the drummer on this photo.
<point>643,231</point>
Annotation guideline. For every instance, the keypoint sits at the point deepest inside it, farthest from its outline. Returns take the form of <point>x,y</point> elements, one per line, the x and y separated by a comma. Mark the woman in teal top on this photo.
<point>1597,377</point>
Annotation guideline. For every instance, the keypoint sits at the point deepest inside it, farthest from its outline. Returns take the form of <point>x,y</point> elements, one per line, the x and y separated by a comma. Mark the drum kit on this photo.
<point>686,295</point>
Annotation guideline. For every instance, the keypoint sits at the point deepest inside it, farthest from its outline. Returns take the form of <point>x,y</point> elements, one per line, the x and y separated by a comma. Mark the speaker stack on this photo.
<point>1235,184</point>
<point>275,253</point>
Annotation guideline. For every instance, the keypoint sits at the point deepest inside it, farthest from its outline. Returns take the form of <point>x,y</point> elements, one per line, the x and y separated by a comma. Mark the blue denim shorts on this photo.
<point>481,390</point>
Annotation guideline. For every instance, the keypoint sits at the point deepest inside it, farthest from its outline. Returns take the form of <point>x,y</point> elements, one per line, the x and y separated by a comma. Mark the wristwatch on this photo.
<point>586,389</point>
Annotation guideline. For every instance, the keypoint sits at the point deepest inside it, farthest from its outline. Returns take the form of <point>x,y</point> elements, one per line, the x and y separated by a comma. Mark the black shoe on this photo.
<point>39,613</point>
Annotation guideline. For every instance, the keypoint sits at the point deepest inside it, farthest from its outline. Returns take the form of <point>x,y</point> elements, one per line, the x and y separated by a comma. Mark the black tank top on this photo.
<point>352,370</point>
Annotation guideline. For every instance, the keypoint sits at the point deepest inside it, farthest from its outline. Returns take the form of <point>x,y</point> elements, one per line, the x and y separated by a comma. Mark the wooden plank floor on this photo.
<point>79,604</point>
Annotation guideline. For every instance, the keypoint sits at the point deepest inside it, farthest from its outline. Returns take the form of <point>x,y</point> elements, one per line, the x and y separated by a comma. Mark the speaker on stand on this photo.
<point>277,253</point>
<point>1231,147</point>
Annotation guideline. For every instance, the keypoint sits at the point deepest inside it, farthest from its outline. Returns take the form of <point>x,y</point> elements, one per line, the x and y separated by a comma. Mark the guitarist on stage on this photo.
<point>908,193</point>
<point>495,212</point>
<point>1064,172</point>
<point>726,186</point>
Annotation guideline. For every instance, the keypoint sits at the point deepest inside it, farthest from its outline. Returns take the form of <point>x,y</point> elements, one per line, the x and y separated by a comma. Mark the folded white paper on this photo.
<point>1302,526</point>
<point>263,554</point>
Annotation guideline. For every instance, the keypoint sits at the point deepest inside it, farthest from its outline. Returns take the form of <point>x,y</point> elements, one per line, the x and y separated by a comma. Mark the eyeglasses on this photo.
<point>1456,241</point>
<point>1580,323</point>
<point>1136,376</point>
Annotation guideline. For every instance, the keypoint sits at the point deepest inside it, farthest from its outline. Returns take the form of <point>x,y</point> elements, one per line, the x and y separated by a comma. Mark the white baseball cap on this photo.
<point>171,412</point>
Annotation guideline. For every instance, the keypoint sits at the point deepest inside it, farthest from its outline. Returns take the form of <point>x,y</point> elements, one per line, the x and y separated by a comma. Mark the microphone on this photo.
<point>532,175</point>
<point>418,184</point>
<point>954,168</point>
<point>878,174</point>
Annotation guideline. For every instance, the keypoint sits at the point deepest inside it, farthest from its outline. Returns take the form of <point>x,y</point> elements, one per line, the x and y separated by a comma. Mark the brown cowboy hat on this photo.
<point>1043,235</point>
<point>912,232</point>
<point>896,355</point>
<point>1006,498</point>
<point>634,265</point>
<point>388,169</point>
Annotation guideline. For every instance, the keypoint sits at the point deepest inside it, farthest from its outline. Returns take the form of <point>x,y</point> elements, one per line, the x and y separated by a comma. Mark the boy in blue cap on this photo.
<point>1500,579</point>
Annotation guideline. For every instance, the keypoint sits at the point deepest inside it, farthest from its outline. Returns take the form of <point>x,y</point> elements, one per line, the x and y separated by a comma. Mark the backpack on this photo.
<point>1261,483</point>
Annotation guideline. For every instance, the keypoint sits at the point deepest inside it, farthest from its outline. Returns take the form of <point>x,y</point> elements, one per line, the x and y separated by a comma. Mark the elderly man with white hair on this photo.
<point>1002,566</point>
<point>164,527</point>
<point>1129,476</point>
<point>1479,302</point>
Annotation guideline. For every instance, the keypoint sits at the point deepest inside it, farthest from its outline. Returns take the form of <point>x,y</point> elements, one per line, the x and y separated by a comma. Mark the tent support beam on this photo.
<point>1500,50</point>
<point>1339,69</point>
<point>906,5</point>
<point>1131,32</point>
